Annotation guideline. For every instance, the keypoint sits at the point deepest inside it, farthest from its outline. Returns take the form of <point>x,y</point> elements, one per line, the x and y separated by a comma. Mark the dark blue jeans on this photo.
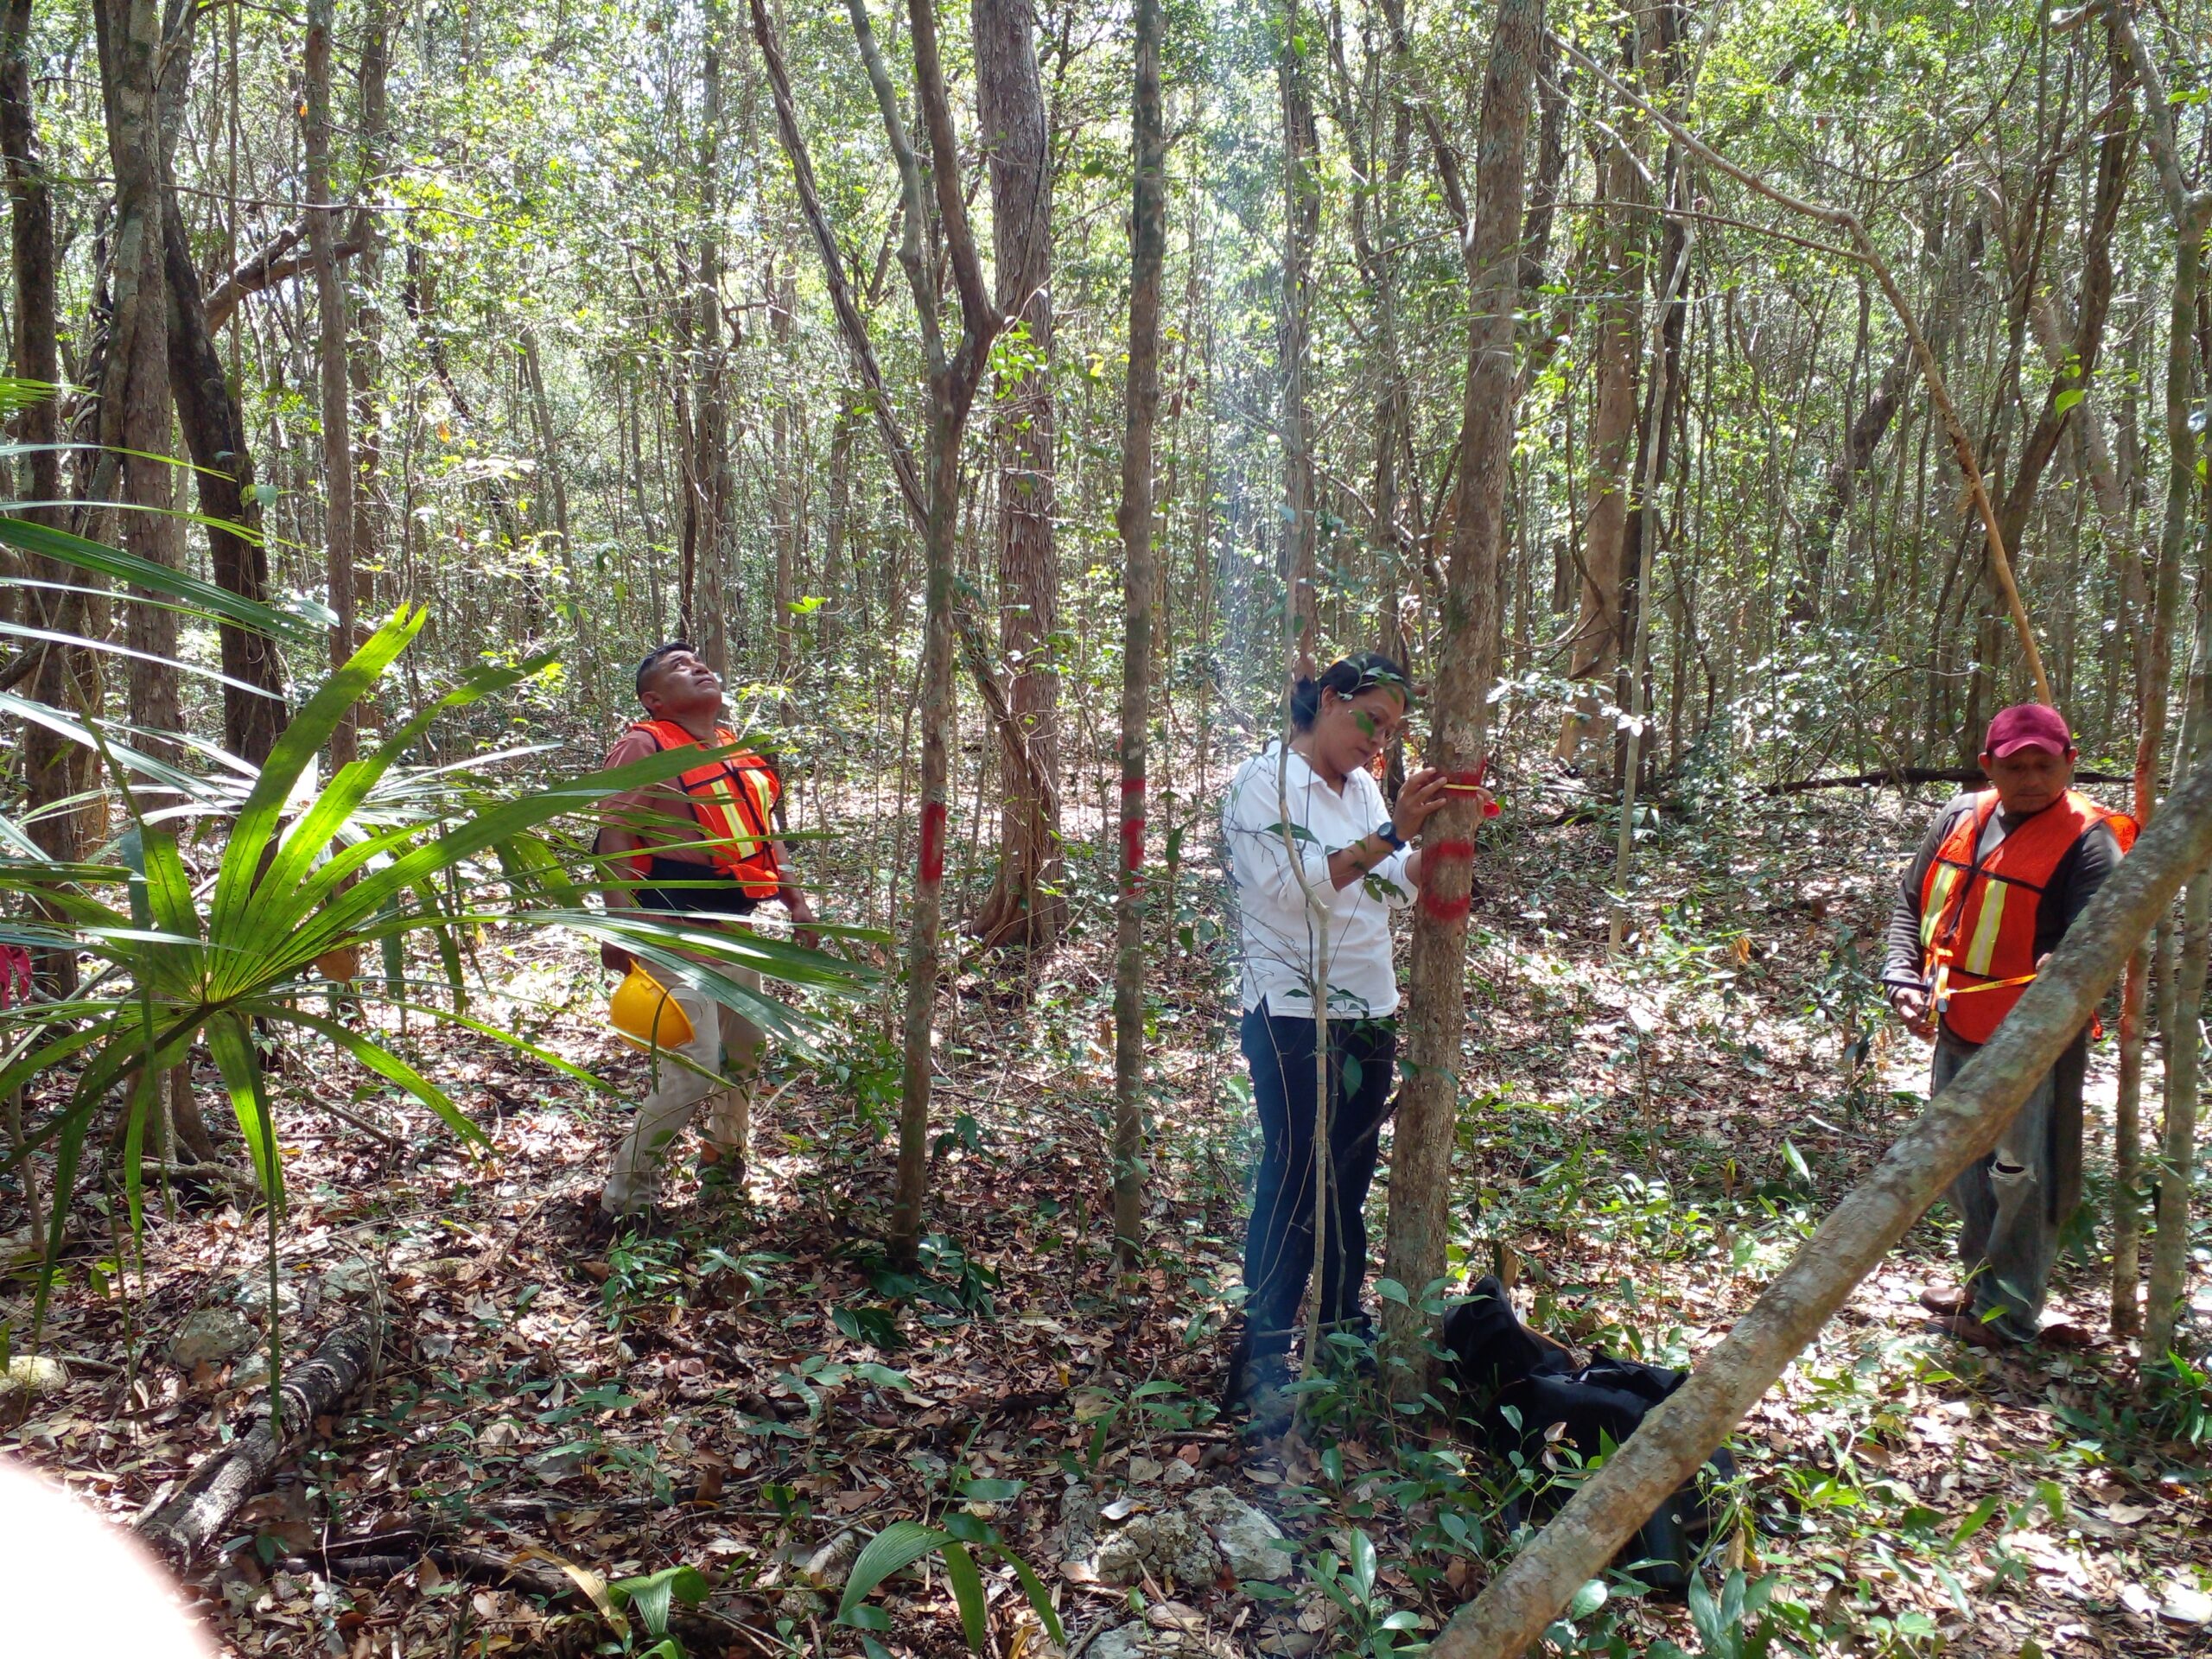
<point>1279,1247</point>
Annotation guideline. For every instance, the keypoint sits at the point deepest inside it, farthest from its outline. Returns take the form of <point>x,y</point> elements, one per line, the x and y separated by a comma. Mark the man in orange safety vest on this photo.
<point>2000,875</point>
<point>701,846</point>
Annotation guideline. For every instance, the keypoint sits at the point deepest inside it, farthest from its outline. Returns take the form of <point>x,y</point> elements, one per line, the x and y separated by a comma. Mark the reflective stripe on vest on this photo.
<point>1979,910</point>
<point>735,822</point>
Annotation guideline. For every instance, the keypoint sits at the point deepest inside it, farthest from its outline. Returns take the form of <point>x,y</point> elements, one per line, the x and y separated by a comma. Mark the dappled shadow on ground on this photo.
<point>750,1390</point>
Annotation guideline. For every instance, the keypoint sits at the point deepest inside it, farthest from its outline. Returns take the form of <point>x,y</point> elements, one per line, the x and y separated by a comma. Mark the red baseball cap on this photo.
<point>2027,726</point>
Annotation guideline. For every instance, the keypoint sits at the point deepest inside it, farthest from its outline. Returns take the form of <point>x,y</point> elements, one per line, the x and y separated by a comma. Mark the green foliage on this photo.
<point>653,1598</point>
<point>902,1543</point>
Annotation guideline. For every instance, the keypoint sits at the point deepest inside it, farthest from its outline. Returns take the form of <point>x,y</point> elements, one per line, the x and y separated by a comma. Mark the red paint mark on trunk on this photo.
<point>1437,906</point>
<point>1132,786</point>
<point>933,818</point>
<point>1449,852</point>
<point>1133,841</point>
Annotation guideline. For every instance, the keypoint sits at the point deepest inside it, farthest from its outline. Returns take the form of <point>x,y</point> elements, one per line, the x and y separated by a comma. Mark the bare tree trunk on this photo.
<point>1857,454</point>
<point>711,482</point>
<point>2165,1293</point>
<point>54,769</point>
<point>837,566</point>
<point>1147,253</point>
<point>556,489</point>
<point>1010,103</point>
<point>1421,1174</point>
<point>788,439</point>
<point>1301,227</point>
<point>2189,209</point>
<point>134,421</point>
<point>1594,648</point>
<point>1959,1126</point>
<point>365,354</point>
<point>952,380</point>
<point>215,436</point>
<point>330,353</point>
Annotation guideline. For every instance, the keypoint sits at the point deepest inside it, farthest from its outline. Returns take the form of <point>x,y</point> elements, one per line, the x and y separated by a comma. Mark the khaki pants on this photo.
<point>724,1041</point>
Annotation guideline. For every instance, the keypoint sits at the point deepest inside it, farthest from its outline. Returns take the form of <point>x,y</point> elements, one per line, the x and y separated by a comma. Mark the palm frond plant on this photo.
<point>377,854</point>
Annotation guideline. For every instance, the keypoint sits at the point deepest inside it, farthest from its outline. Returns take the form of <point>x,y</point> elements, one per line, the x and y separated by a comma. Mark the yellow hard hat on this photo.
<point>645,1015</point>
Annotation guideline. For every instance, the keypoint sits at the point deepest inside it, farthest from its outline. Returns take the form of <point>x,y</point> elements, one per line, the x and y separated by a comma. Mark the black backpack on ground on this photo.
<point>1525,1383</point>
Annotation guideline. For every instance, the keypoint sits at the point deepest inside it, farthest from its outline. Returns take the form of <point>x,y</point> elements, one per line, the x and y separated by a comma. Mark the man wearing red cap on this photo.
<point>1999,877</point>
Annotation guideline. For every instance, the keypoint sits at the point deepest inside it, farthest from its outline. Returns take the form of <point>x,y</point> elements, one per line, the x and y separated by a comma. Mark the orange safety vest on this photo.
<point>1978,914</point>
<point>733,799</point>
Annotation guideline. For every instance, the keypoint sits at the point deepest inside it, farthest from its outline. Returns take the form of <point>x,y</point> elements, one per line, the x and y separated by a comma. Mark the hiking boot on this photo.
<point>1974,1332</point>
<point>1943,1301</point>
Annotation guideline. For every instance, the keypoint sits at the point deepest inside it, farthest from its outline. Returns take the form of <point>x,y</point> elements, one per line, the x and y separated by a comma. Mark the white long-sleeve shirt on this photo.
<point>1279,931</point>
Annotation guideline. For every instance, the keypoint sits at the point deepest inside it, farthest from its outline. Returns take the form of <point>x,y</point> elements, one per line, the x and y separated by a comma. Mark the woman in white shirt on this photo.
<point>1317,861</point>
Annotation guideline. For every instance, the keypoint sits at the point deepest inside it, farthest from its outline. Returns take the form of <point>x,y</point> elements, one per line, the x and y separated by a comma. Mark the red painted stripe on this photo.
<point>1449,852</point>
<point>1132,842</point>
<point>933,821</point>
<point>1132,786</point>
<point>1445,910</point>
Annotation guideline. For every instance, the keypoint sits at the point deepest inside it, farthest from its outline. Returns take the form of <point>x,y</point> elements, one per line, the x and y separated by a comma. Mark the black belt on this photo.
<point>705,888</point>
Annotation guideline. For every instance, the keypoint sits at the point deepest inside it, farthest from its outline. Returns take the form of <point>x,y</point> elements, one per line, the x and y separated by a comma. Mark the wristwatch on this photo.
<point>1388,833</point>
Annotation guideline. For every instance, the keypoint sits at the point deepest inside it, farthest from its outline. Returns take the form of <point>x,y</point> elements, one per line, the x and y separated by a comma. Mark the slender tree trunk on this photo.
<point>1421,1174</point>
<point>2165,1295</point>
<point>1841,488</point>
<point>711,481</point>
<point>1010,103</point>
<point>216,438</point>
<point>1643,542</point>
<point>952,380</point>
<point>1147,253</point>
<point>54,769</point>
<point>578,602</point>
<point>789,444</point>
<point>330,356</point>
<point>133,419</point>
<point>1594,649</point>
<point>364,355</point>
<point>1301,227</point>
<point>838,584</point>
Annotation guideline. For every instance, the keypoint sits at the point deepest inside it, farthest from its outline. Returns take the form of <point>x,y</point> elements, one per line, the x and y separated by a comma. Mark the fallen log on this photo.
<point>1895,777</point>
<point>1959,1126</point>
<point>195,1517</point>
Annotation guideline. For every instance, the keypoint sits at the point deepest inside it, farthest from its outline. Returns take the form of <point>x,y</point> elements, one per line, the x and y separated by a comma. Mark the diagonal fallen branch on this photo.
<point>196,1517</point>
<point>1959,1125</point>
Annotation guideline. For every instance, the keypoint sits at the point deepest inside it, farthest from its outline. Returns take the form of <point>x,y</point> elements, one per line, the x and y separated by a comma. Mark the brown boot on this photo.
<point>1944,1300</point>
<point>1964,1327</point>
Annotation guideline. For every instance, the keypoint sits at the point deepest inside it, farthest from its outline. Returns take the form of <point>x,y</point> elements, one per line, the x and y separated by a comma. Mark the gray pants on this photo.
<point>2013,1203</point>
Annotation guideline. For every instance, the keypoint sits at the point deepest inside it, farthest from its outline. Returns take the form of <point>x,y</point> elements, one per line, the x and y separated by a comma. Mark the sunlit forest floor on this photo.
<point>749,1391</point>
